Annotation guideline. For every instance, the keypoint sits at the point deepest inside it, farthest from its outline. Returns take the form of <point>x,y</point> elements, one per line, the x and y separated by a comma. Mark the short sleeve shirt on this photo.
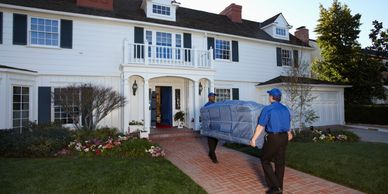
<point>275,118</point>
<point>208,103</point>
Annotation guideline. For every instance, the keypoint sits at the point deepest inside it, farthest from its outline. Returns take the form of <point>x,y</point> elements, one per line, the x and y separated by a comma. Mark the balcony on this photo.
<point>145,54</point>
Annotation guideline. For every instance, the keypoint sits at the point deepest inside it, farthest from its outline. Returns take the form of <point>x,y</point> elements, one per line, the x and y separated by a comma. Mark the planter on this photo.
<point>181,124</point>
<point>143,134</point>
<point>134,128</point>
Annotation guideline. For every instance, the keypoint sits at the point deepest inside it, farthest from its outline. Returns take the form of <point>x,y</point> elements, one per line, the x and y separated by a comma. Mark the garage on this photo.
<point>328,103</point>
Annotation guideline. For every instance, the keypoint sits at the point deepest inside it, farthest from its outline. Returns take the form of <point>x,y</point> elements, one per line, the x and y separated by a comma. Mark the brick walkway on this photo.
<point>236,172</point>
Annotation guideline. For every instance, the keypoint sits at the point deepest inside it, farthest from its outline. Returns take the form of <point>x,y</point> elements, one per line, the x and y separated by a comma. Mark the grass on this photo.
<point>362,166</point>
<point>93,175</point>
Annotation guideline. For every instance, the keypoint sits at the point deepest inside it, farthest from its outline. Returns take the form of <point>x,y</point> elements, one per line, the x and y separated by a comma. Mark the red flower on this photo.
<point>98,152</point>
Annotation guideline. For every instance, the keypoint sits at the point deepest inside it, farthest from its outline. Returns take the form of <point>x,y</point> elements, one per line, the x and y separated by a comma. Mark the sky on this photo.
<point>299,12</point>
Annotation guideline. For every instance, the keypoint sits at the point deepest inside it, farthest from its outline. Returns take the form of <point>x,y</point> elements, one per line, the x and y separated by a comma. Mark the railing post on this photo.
<point>194,58</point>
<point>145,51</point>
<point>211,58</point>
<point>125,52</point>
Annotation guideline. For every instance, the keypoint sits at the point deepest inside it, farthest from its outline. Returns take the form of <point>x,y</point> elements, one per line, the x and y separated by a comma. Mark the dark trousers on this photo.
<point>274,148</point>
<point>212,143</point>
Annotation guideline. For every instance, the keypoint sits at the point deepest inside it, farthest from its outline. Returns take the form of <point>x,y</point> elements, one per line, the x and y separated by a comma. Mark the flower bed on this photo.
<point>328,135</point>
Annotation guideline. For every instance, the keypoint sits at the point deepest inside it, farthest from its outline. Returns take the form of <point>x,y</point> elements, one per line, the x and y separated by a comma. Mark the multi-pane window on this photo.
<point>281,31</point>
<point>178,45</point>
<point>163,45</point>
<point>20,107</point>
<point>222,49</point>
<point>159,9</point>
<point>149,40</point>
<point>71,113</point>
<point>286,57</point>
<point>44,32</point>
<point>223,94</point>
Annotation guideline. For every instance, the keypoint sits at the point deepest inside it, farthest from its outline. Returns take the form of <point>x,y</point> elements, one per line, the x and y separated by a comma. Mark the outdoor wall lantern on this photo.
<point>200,88</point>
<point>134,88</point>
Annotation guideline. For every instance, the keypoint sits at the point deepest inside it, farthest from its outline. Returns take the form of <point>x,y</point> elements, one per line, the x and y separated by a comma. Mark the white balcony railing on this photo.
<point>166,56</point>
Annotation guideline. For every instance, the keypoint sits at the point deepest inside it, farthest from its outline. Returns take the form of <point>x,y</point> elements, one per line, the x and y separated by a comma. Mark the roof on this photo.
<point>185,17</point>
<point>270,20</point>
<point>382,54</point>
<point>303,80</point>
<point>14,68</point>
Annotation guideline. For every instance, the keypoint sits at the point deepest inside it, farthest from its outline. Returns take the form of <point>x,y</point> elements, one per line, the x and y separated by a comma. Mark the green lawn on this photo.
<point>362,166</point>
<point>93,175</point>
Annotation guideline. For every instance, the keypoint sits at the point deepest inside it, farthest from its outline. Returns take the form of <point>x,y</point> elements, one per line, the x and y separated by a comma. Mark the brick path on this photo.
<point>236,172</point>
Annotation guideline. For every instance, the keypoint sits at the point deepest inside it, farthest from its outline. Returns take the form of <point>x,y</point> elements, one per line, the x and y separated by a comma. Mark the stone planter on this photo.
<point>134,128</point>
<point>143,134</point>
<point>181,124</point>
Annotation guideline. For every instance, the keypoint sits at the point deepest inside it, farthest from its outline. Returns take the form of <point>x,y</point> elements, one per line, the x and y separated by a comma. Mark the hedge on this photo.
<point>367,114</point>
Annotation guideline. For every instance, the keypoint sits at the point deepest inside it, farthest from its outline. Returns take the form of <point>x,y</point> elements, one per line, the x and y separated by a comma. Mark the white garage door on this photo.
<point>327,107</point>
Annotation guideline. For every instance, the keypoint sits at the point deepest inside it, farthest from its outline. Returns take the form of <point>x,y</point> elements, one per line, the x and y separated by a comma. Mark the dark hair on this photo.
<point>277,98</point>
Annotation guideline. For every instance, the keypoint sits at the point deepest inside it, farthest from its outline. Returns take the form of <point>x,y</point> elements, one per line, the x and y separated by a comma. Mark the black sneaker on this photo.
<point>213,157</point>
<point>274,190</point>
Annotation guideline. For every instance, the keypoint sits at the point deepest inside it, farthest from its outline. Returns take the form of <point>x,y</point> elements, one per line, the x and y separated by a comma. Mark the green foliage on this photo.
<point>133,122</point>
<point>379,37</point>
<point>327,135</point>
<point>101,134</point>
<point>179,116</point>
<point>40,142</point>
<point>367,114</point>
<point>134,148</point>
<point>342,60</point>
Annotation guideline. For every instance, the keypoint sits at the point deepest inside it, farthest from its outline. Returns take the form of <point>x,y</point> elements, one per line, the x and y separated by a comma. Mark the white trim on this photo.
<point>150,24</point>
<point>313,85</point>
<point>29,44</point>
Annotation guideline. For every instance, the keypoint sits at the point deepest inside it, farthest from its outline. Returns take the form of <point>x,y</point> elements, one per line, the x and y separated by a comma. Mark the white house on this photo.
<point>161,56</point>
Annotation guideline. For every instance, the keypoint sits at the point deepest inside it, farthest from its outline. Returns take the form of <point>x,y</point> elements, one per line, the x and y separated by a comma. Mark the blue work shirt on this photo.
<point>275,118</point>
<point>208,103</point>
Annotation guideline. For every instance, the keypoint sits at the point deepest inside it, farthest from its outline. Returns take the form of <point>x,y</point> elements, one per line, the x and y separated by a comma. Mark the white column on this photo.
<point>147,112</point>
<point>127,95</point>
<point>197,106</point>
<point>211,85</point>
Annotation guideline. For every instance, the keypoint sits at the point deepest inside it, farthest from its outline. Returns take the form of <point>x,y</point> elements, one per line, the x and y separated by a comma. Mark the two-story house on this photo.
<point>154,52</point>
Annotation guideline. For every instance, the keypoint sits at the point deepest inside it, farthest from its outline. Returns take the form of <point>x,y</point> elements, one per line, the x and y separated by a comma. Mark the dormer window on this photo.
<point>159,9</point>
<point>281,31</point>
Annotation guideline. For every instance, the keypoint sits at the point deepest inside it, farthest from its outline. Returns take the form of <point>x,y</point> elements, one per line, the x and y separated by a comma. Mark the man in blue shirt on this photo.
<point>211,141</point>
<point>275,120</point>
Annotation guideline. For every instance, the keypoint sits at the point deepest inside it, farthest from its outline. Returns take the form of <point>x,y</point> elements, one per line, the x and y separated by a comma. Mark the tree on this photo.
<point>299,96</point>
<point>342,59</point>
<point>89,102</point>
<point>379,37</point>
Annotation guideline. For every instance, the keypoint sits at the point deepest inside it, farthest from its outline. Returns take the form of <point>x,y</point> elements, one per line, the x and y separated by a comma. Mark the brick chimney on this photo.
<point>233,12</point>
<point>96,4</point>
<point>302,33</point>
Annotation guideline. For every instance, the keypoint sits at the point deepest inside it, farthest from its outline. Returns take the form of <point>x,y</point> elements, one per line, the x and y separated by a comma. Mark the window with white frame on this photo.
<point>162,10</point>
<point>223,94</point>
<point>286,57</point>
<point>149,41</point>
<point>281,31</point>
<point>60,115</point>
<point>44,32</point>
<point>178,45</point>
<point>163,45</point>
<point>20,107</point>
<point>222,49</point>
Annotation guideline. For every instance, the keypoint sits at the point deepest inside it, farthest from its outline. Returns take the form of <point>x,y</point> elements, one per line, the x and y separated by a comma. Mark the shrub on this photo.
<point>325,136</point>
<point>39,142</point>
<point>133,148</point>
<point>367,114</point>
<point>102,134</point>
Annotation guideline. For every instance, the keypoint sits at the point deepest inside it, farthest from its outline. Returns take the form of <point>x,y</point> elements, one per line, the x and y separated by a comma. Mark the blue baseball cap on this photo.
<point>212,94</point>
<point>275,92</point>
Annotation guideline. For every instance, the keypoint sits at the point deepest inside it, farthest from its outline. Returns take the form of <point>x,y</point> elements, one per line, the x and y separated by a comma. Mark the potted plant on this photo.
<point>180,118</point>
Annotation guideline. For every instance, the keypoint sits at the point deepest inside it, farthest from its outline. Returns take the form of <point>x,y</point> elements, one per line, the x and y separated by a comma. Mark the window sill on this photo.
<point>44,47</point>
<point>223,60</point>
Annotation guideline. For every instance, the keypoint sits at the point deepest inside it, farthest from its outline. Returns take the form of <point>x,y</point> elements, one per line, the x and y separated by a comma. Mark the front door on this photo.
<point>166,106</point>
